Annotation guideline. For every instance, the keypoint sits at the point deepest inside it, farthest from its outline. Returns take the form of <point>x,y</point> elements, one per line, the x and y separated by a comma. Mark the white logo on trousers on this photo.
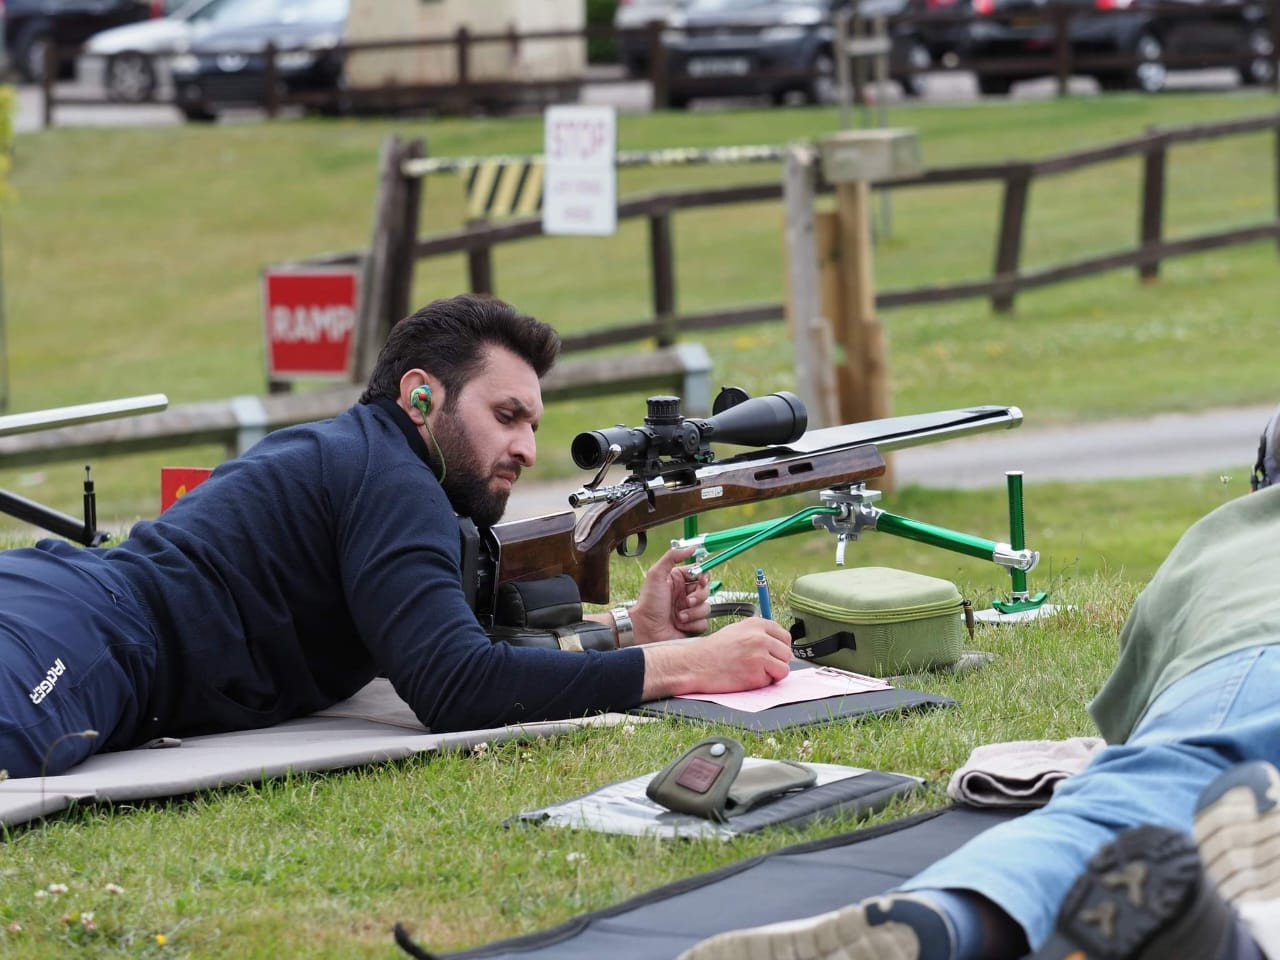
<point>45,686</point>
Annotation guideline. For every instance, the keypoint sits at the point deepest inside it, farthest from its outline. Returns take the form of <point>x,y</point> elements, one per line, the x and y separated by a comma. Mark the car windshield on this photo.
<point>243,12</point>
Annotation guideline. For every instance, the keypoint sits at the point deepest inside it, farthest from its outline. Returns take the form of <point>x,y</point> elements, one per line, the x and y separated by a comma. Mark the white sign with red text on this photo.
<point>579,186</point>
<point>310,318</point>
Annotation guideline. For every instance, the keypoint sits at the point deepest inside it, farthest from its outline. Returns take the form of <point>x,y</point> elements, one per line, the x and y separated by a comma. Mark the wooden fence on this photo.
<point>395,247</point>
<point>467,92</point>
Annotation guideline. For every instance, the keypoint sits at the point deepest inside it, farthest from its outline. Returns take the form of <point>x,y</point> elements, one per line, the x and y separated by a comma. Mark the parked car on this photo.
<point>631,20</point>
<point>225,65</point>
<point>130,61</point>
<point>1144,29</point>
<point>31,25</point>
<point>774,48</point>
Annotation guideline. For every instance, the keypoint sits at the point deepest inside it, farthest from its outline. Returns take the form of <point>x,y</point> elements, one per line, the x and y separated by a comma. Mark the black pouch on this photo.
<point>547,614</point>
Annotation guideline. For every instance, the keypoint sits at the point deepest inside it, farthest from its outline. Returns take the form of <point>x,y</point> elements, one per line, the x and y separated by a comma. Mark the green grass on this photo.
<point>131,265</point>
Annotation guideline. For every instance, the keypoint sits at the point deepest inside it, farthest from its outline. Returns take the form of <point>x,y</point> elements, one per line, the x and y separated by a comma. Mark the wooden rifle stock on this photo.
<point>581,547</point>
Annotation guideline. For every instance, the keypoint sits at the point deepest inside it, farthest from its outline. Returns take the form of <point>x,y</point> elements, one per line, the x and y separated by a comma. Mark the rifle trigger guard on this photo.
<point>642,541</point>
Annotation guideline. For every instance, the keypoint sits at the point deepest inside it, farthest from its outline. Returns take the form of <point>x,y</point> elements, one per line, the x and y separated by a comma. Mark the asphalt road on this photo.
<point>627,97</point>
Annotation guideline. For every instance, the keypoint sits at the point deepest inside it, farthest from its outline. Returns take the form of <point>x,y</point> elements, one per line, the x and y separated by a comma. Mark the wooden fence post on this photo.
<point>480,269</point>
<point>1009,244</point>
<point>812,346</point>
<point>52,63</point>
<point>658,65</point>
<point>400,289</point>
<point>663,276</point>
<point>1062,49</point>
<point>271,81</point>
<point>1152,226</point>
<point>376,275</point>
<point>463,42</point>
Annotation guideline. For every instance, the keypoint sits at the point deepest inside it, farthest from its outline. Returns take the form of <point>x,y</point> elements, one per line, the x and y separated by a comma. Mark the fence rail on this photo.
<point>1007,280</point>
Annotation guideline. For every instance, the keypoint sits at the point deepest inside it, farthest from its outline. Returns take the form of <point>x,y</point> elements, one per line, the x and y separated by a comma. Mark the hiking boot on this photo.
<point>895,927</point>
<point>1145,896</point>
<point>1238,831</point>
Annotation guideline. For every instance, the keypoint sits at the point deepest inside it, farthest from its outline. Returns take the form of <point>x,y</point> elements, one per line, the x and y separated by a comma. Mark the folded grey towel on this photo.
<point>1021,773</point>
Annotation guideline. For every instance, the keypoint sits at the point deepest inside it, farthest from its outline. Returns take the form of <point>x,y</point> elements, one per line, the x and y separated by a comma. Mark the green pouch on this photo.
<point>876,620</point>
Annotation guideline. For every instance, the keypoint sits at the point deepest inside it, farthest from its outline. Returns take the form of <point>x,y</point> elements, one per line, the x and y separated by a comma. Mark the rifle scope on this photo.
<point>760,421</point>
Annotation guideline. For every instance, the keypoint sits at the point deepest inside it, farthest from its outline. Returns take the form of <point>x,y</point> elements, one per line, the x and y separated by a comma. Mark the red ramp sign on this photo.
<point>309,318</point>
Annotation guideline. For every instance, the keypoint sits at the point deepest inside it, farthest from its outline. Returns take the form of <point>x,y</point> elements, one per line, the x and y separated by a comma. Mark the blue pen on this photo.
<point>762,588</point>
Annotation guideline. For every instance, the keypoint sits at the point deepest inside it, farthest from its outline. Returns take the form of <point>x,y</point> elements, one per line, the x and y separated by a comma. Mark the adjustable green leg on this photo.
<point>1020,599</point>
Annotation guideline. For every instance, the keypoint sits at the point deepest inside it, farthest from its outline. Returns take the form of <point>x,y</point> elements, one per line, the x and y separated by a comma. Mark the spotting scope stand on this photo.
<point>84,531</point>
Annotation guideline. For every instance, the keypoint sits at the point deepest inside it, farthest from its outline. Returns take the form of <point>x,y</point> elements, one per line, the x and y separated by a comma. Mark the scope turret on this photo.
<point>761,421</point>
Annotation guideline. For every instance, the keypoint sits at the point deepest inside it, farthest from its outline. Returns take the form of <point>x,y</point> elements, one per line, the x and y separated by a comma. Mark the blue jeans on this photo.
<point>1224,713</point>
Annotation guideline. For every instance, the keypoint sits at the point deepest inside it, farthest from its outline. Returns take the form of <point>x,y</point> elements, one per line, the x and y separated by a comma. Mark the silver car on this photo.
<point>132,60</point>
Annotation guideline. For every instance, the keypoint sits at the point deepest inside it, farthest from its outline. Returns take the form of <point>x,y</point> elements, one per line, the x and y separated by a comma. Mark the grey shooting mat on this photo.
<point>623,807</point>
<point>787,715</point>
<point>373,726</point>
<point>787,884</point>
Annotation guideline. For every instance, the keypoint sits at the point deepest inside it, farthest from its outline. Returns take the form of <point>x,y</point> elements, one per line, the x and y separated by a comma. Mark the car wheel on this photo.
<point>1149,74</point>
<point>678,101</point>
<point>1261,66</point>
<point>994,85</point>
<point>919,59</point>
<point>824,87</point>
<point>131,78</point>
<point>29,53</point>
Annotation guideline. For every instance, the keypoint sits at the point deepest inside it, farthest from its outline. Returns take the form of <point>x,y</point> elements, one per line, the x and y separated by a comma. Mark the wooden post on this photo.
<point>271,81</point>
<point>408,213</point>
<point>1152,225</point>
<point>52,56</point>
<point>463,41</point>
<point>663,276</point>
<point>1009,243</point>
<point>810,331</point>
<point>372,324</point>
<point>658,65</point>
<point>858,327</point>
<point>1062,50</point>
<point>480,269</point>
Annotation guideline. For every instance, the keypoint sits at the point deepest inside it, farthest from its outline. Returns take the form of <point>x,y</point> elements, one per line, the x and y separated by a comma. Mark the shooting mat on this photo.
<point>787,884</point>
<point>373,726</point>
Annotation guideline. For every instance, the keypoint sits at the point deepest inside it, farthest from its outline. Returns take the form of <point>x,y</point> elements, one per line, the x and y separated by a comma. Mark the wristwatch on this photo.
<point>622,622</point>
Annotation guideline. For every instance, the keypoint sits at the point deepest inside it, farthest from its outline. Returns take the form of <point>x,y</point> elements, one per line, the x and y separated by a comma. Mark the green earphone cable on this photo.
<point>439,453</point>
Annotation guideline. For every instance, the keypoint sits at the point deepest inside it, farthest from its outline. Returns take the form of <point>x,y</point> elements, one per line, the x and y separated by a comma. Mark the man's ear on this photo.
<point>420,393</point>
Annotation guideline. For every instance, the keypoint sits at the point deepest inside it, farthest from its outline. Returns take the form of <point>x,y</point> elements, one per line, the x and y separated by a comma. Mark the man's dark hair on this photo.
<point>448,337</point>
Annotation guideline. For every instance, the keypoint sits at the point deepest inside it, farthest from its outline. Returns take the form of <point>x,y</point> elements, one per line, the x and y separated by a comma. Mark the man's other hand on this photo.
<point>670,604</point>
<point>745,655</point>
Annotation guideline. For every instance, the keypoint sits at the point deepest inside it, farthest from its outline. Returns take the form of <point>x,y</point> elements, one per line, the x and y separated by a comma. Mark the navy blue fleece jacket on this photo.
<point>326,555</point>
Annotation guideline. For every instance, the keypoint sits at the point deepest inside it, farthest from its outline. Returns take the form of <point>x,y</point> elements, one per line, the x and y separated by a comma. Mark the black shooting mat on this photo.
<point>787,884</point>
<point>804,714</point>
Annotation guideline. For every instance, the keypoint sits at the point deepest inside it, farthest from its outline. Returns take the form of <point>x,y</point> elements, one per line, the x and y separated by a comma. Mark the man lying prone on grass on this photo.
<point>329,554</point>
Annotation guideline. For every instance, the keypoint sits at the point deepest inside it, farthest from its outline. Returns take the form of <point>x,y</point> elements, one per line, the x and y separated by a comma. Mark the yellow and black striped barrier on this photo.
<point>511,185</point>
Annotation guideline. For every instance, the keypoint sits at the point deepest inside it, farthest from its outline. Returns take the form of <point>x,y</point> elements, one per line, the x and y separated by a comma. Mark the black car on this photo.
<point>31,25</point>
<point>1153,36</point>
<point>774,48</point>
<point>226,66</point>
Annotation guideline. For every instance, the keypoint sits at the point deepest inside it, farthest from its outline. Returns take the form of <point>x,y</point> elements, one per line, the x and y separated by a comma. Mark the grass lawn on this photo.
<point>131,265</point>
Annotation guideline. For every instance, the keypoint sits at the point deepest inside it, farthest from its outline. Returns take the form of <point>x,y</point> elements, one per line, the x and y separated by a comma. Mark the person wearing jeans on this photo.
<point>1108,869</point>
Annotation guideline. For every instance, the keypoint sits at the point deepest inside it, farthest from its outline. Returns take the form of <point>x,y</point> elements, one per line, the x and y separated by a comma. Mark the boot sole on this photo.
<point>1144,896</point>
<point>1238,832</point>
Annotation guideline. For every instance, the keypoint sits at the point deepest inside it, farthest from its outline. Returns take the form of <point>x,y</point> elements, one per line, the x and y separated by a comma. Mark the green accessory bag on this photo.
<point>877,621</point>
<point>708,780</point>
